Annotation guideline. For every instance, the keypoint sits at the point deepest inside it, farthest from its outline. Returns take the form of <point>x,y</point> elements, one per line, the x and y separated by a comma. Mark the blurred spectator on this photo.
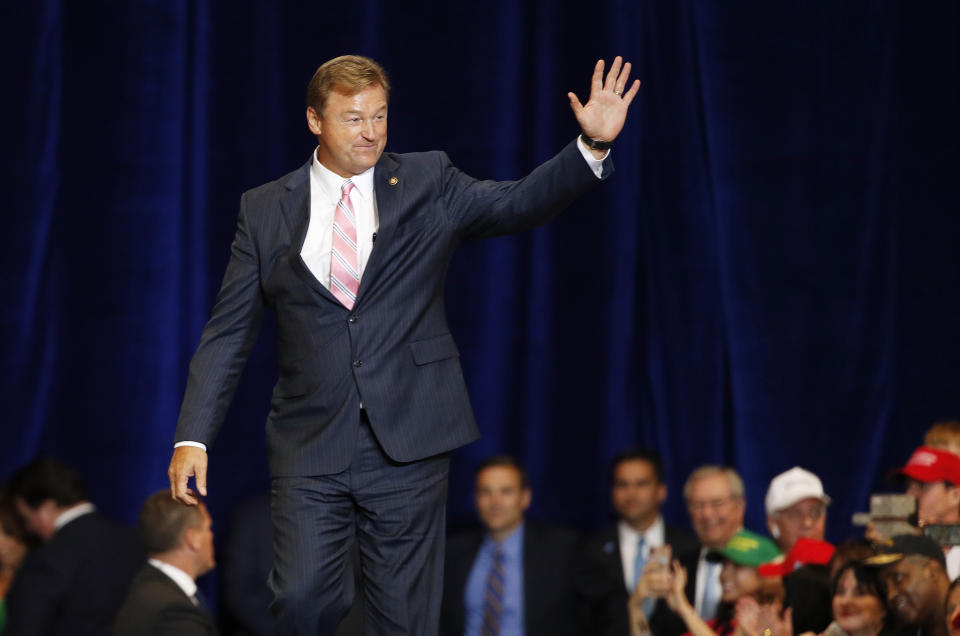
<point>716,503</point>
<point>513,576</point>
<point>952,610</point>
<point>944,435</point>
<point>739,559</point>
<point>163,599</point>
<point>613,561</point>
<point>933,477</point>
<point>13,548</point>
<point>74,583</point>
<point>859,603</point>
<point>796,507</point>
<point>912,569</point>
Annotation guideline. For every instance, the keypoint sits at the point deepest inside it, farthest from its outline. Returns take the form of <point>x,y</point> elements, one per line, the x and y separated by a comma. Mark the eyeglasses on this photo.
<point>813,513</point>
<point>713,504</point>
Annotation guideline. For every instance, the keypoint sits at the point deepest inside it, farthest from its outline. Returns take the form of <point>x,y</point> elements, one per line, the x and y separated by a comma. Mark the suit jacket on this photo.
<point>548,585</point>
<point>393,350</point>
<point>74,583</point>
<point>600,586</point>
<point>156,606</point>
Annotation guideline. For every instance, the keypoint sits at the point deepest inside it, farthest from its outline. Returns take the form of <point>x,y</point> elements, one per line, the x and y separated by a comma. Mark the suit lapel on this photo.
<point>295,206</point>
<point>388,186</point>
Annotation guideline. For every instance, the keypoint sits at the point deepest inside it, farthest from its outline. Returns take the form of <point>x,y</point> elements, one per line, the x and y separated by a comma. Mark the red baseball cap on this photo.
<point>932,464</point>
<point>804,551</point>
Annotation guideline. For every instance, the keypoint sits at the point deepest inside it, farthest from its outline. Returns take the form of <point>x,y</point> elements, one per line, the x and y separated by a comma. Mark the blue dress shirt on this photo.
<point>511,623</point>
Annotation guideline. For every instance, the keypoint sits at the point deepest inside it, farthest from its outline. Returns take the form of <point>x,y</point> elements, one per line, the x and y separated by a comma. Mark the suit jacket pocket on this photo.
<point>290,386</point>
<point>434,349</point>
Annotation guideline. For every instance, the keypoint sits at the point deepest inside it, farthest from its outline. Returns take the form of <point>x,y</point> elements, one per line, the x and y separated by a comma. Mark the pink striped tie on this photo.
<point>344,259</point>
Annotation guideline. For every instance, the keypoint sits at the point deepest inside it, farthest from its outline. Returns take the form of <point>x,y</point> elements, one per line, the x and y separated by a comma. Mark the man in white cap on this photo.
<point>796,507</point>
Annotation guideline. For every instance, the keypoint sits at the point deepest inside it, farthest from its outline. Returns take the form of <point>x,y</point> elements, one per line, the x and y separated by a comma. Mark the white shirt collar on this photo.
<point>654,535</point>
<point>72,513</point>
<point>331,181</point>
<point>183,580</point>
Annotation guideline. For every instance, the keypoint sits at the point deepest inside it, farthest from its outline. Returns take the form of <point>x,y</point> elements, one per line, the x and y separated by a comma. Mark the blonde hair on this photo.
<point>944,435</point>
<point>347,73</point>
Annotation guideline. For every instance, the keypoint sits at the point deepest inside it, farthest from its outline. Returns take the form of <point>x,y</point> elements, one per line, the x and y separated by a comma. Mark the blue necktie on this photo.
<point>638,564</point>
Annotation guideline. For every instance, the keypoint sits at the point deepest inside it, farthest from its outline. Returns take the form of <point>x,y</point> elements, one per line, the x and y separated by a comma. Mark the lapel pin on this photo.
<point>393,181</point>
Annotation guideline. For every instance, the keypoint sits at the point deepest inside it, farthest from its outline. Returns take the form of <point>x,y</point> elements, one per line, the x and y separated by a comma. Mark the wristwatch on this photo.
<point>595,144</point>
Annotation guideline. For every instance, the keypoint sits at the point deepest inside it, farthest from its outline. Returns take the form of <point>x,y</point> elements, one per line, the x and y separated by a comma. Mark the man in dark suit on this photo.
<point>163,599</point>
<point>614,560</point>
<point>537,596</point>
<point>371,397</point>
<point>73,584</point>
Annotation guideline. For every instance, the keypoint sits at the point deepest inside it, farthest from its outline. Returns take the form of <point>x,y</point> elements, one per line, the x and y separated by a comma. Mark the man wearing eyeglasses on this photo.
<point>796,507</point>
<point>715,501</point>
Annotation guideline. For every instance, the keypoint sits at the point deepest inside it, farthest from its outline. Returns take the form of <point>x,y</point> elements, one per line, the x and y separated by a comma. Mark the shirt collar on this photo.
<point>331,181</point>
<point>653,535</point>
<point>72,513</point>
<point>512,546</point>
<point>183,580</point>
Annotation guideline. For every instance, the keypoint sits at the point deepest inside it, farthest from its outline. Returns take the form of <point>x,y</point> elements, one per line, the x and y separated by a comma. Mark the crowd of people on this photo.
<point>67,569</point>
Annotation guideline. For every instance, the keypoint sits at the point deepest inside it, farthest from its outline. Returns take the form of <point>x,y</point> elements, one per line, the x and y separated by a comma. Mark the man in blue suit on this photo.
<point>351,252</point>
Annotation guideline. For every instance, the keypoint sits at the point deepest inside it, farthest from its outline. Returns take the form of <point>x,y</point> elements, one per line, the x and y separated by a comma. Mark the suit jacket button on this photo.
<point>358,363</point>
<point>352,319</point>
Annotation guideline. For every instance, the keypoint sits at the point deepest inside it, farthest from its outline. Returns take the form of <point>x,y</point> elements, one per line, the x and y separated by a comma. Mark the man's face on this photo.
<point>937,502</point>
<point>912,591</point>
<point>715,513</point>
<point>352,131</point>
<point>501,499</point>
<point>806,519</point>
<point>40,520</point>
<point>637,494</point>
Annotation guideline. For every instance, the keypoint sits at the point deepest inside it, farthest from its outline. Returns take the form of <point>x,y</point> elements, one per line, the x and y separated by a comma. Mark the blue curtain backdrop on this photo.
<point>780,270</point>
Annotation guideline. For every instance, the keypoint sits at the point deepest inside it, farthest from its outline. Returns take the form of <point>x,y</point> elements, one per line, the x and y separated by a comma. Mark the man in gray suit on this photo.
<point>371,397</point>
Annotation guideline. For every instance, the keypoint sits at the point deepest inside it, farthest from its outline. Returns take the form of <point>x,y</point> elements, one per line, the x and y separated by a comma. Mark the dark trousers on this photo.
<point>396,513</point>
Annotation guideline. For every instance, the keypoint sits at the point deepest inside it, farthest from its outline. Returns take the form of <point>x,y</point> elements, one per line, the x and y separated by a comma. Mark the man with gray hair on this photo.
<point>163,600</point>
<point>716,503</point>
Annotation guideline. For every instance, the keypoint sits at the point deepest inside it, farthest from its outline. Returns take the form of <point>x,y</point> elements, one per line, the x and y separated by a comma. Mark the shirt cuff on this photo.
<point>596,165</point>
<point>199,445</point>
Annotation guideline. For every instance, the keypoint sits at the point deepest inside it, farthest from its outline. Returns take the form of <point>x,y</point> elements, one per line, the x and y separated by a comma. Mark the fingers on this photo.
<point>596,83</point>
<point>614,75</point>
<point>187,461</point>
<point>575,104</point>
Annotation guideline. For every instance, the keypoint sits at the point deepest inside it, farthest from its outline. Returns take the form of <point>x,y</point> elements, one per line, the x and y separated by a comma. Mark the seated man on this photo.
<point>74,583</point>
<point>914,573</point>
<point>513,576</point>
<point>162,600</point>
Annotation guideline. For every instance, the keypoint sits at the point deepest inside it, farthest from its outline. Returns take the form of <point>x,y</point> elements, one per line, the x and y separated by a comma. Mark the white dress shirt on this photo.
<point>72,513</point>
<point>702,582</point>
<point>183,580</point>
<point>654,536</point>
<point>324,196</point>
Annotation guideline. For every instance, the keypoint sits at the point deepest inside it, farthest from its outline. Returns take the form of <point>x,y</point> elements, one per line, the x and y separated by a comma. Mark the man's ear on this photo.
<point>314,121</point>
<point>191,540</point>
<point>773,528</point>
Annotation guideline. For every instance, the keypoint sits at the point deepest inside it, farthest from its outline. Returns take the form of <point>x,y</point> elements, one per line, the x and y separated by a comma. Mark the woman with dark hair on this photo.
<point>858,603</point>
<point>13,548</point>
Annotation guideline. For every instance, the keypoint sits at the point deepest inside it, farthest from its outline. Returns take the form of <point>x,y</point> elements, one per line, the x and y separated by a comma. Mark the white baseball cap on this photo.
<point>792,486</point>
